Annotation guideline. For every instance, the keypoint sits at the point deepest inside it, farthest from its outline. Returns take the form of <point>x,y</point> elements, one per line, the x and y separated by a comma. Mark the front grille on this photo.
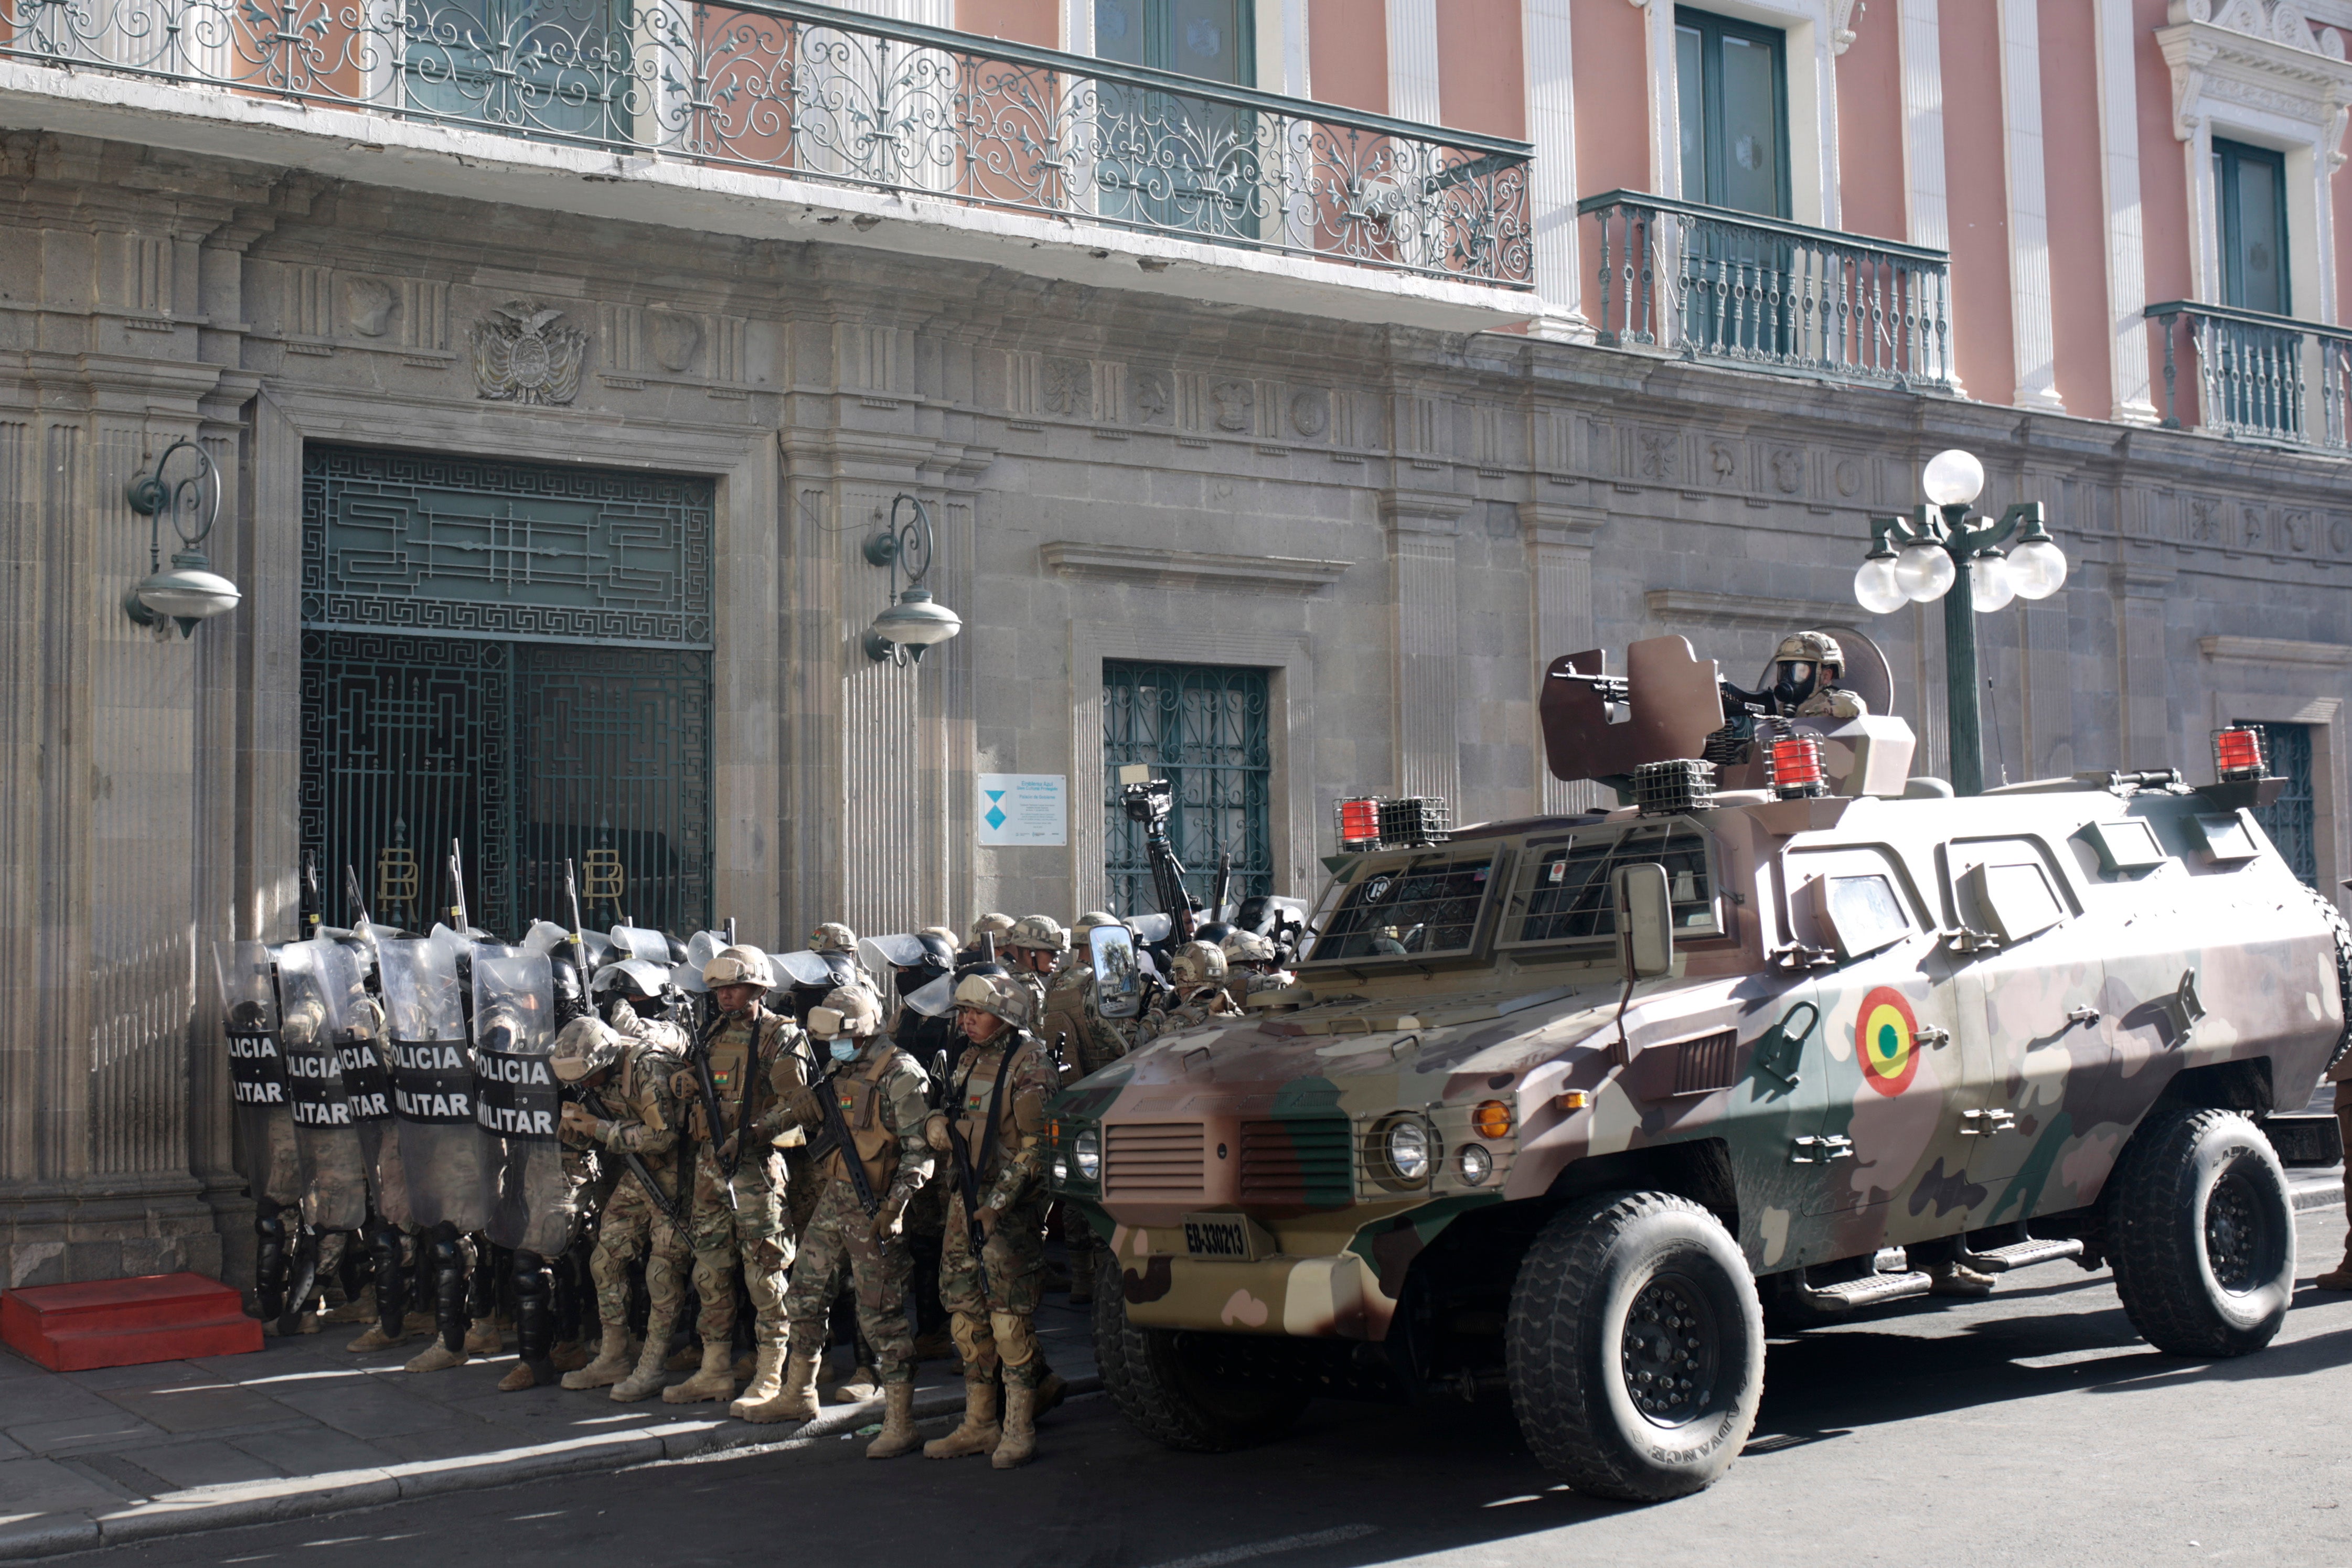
<point>1153,1160</point>
<point>1308,1160</point>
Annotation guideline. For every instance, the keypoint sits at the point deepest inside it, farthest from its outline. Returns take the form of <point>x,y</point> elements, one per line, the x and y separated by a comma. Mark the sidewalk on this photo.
<point>98,1458</point>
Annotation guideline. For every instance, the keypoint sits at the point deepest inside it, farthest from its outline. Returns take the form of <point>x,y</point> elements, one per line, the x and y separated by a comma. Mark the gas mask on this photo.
<point>1794,684</point>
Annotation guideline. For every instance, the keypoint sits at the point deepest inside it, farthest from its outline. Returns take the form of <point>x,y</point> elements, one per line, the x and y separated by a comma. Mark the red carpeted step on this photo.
<point>125,1323</point>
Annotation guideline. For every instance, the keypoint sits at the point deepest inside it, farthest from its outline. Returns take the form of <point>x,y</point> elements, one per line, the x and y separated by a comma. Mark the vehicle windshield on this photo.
<point>1565,891</point>
<point>1418,907</point>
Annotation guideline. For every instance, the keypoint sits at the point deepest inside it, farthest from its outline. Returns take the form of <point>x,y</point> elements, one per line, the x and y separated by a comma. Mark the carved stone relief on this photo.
<point>521,355</point>
<point>368,305</point>
<point>677,339</point>
<point>1788,470</point>
<point>1310,411</point>
<point>1235,400</point>
<point>1150,394</point>
<point>1069,389</point>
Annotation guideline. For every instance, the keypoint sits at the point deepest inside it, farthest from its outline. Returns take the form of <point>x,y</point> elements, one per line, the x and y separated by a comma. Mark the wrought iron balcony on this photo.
<point>1735,288</point>
<point>814,93</point>
<point>2258,375</point>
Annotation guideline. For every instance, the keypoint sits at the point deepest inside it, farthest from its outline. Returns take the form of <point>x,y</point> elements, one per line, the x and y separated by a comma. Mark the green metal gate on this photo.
<point>517,658</point>
<point>1205,729</point>
<point>2288,819</point>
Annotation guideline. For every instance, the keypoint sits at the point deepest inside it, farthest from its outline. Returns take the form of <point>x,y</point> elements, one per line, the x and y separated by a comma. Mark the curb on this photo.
<point>303,1497</point>
<point>2323,1190</point>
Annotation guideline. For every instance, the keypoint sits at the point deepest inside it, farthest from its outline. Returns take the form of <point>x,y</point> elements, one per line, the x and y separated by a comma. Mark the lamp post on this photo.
<point>1916,559</point>
<point>912,621</point>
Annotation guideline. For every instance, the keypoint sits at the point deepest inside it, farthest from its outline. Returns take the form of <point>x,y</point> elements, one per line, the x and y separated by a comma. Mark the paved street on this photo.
<point>2031,1428</point>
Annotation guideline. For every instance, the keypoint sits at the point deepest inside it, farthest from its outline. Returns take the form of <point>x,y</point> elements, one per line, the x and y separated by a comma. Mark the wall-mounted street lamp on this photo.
<point>913,621</point>
<point>1918,559</point>
<point>191,591</point>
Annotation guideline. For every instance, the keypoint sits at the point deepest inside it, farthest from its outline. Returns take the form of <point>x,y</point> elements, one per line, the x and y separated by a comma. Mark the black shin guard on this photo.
<point>269,1261</point>
<point>534,1315</point>
<point>303,1283</point>
<point>450,1321</point>
<point>391,1281</point>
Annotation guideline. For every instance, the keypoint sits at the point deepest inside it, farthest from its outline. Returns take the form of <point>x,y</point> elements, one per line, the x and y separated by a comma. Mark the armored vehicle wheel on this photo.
<point>1163,1397</point>
<point>1635,1346</point>
<point>2201,1233</point>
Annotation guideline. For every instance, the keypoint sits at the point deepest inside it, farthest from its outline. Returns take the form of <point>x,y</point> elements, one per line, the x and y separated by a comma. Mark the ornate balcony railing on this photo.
<point>2258,375</point>
<point>821,94</point>
<point>1736,289</point>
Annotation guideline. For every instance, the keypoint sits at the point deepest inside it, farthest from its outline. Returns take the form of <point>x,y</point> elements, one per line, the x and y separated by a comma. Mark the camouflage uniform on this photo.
<point>637,1113</point>
<point>883,1098</point>
<point>993,1326</point>
<point>1188,1008</point>
<point>1090,1043</point>
<point>758,1059</point>
<point>2340,1277</point>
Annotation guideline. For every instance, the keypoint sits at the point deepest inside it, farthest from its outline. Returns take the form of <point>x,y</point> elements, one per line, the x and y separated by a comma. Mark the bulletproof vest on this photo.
<point>1063,1023</point>
<point>866,1112</point>
<point>733,1050</point>
<point>981,1066</point>
<point>631,1097</point>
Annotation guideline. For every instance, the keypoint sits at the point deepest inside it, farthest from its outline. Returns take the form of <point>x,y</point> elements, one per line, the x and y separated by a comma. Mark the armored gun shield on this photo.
<point>265,1126</point>
<point>441,1144</point>
<point>518,1102</point>
<point>315,982</point>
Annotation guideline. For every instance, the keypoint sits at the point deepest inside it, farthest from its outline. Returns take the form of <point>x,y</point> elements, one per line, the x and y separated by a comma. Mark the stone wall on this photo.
<point>1403,525</point>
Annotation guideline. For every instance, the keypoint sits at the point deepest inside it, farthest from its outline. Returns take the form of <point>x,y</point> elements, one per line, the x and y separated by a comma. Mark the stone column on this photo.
<point>1552,183</point>
<point>1412,61</point>
<point>1421,527</point>
<point>2130,352</point>
<point>2141,680</point>
<point>2033,342</point>
<point>1559,578</point>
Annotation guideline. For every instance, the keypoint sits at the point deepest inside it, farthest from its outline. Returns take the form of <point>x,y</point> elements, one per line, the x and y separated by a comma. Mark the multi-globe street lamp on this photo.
<point>1916,559</point>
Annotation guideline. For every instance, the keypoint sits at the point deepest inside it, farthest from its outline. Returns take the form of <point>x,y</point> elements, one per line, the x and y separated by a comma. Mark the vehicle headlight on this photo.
<point>1086,1149</point>
<point>1061,1169</point>
<point>1475,1164</point>
<point>1407,1147</point>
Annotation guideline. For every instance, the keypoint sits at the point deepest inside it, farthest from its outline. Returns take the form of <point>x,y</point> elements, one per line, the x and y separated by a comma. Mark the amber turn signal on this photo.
<point>1492,1119</point>
<point>1573,1100</point>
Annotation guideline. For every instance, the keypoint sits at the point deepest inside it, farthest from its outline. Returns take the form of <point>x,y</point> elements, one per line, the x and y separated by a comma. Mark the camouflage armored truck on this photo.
<point>1560,1105</point>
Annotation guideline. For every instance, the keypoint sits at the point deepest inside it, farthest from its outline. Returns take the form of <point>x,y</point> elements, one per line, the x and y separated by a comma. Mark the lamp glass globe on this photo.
<point>1876,588</point>
<point>2037,569</point>
<point>1989,586</point>
<point>1953,478</point>
<point>1923,571</point>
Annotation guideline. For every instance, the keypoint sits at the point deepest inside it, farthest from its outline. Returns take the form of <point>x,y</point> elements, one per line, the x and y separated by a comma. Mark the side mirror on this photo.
<point>1118,982</point>
<point>1645,921</point>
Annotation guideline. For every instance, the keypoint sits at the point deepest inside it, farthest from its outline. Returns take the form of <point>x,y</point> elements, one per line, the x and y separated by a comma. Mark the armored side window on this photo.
<point>1426,906</point>
<point>1563,889</point>
<point>2003,888</point>
<point>1849,900</point>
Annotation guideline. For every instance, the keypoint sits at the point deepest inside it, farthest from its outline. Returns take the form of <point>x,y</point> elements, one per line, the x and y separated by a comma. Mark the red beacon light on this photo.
<point>1374,822</point>
<point>1359,825</point>
<point>1794,762</point>
<point>2238,755</point>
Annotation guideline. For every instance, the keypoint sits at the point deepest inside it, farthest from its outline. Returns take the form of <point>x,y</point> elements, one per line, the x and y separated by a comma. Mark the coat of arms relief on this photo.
<point>520,355</point>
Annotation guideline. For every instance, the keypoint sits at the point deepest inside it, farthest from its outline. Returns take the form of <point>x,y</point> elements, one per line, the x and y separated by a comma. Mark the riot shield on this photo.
<point>637,942</point>
<point>315,979</point>
<point>934,1000</point>
<point>441,1145</point>
<point>265,1128</point>
<point>360,1050</point>
<point>701,949</point>
<point>517,1101</point>
<point>885,955</point>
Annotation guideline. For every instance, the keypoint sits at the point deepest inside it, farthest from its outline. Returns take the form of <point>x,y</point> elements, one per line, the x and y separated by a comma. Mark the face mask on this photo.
<point>843,1049</point>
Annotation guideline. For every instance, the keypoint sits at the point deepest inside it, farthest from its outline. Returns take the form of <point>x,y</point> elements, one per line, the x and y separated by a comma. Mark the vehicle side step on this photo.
<point>2019,1255</point>
<point>1845,1295</point>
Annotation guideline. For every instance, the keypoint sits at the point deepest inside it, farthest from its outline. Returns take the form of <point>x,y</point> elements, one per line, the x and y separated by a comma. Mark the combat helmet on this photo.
<point>852,1010</point>
<point>1196,964</point>
<point>741,965</point>
<point>584,1047</point>
<point>1038,933</point>
<point>989,924</point>
<point>833,937</point>
<point>1247,948</point>
<point>999,995</point>
<point>1090,921</point>
<point>1812,648</point>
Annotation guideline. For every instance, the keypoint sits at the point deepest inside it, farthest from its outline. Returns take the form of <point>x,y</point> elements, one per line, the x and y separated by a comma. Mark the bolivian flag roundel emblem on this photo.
<point>1886,1039</point>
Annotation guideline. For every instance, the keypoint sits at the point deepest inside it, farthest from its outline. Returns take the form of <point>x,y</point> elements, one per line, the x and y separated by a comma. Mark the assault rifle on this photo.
<point>458,916</point>
<point>573,1000</point>
<point>698,1058</point>
<point>967,1172</point>
<point>837,1138</point>
<point>1147,802</point>
<point>310,901</point>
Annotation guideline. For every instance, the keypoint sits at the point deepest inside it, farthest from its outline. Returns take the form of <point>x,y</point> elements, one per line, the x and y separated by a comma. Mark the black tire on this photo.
<point>1607,1280</point>
<point>2201,1233</point>
<point>1161,1394</point>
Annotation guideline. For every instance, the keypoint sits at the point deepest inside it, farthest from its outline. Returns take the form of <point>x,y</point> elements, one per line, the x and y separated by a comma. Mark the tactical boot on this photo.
<point>646,1380</point>
<point>862,1384</point>
<point>436,1357</point>
<point>715,1381</point>
<point>569,1356</point>
<point>2340,1277</point>
<point>1018,1445</point>
<point>356,1309</point>
<point>611,1366</point>
<point>937,1345</point>
<point>375,1338</point>
<point>1052,1389</point>
<point>767,1379</point>
<point>685,1358</point>
<point>898,1435</point>
<point>979,1433</point>
<point>484,1338</point>
<point>1958,1280</point>
<point>796,1395</point>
